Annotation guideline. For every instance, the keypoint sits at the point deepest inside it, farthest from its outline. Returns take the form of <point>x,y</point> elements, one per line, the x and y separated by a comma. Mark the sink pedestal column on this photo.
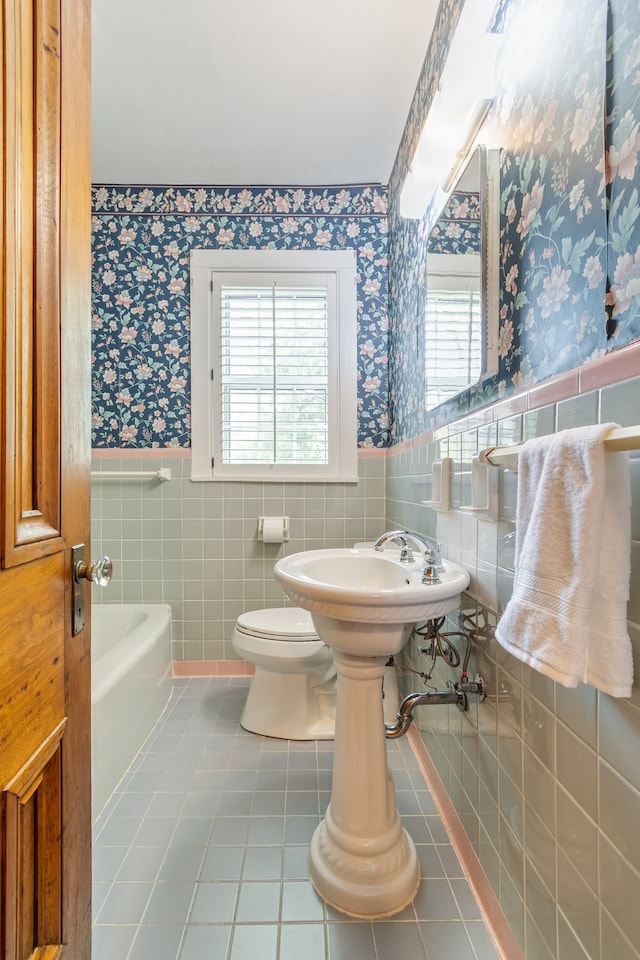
<point>363,862</point>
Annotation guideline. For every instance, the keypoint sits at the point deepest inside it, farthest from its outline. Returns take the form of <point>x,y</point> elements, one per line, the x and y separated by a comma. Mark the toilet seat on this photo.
<point>278,623</point>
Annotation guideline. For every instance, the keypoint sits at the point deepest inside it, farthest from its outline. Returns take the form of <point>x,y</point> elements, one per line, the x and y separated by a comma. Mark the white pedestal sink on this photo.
<point>364,604</point>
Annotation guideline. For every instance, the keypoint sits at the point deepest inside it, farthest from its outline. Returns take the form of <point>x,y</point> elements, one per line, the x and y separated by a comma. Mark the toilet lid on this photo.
<point>278,623</point>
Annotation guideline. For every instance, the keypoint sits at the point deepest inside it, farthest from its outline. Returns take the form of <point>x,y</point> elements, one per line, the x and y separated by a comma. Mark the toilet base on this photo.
<point>288,707</point>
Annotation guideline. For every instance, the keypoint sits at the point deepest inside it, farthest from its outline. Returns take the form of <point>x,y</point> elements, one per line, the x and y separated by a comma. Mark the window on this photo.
<point>453,329</point>
<point>273,365</point>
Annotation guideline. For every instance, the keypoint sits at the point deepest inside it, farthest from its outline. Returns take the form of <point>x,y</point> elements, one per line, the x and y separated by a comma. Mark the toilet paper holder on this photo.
<point>273,529</point>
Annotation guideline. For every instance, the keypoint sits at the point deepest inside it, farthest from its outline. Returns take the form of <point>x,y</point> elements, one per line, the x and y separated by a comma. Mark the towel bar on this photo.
<point>164,473</point>
<point>621,438</point>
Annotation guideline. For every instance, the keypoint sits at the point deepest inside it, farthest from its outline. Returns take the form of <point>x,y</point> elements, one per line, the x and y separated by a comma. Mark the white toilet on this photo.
<point>293,691</point>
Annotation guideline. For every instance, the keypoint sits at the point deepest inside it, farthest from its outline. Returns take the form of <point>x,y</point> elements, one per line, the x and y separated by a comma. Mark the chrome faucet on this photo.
<point>430,550</point>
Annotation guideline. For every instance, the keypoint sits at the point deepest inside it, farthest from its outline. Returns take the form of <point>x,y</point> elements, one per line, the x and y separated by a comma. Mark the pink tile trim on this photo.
<point>400,447</point>
<point>212,668</point>
<point>155,453</point>
<point>184,453</point>
<point>506,943</point>
<point>620,365</point>
<point>551,391</point>
<point>370,453</point>
<point>480,418</point>
<point>414,443</point>
<point>517,403</point>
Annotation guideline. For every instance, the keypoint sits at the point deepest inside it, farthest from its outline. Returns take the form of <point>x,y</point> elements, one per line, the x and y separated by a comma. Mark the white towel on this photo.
<point>568,613</point>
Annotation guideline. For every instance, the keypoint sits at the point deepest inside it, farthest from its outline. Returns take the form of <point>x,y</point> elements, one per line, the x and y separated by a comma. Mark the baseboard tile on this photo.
<point>212,668</point>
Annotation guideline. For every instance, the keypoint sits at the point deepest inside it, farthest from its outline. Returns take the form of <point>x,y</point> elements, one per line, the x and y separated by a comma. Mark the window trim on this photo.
<point>343,464</point>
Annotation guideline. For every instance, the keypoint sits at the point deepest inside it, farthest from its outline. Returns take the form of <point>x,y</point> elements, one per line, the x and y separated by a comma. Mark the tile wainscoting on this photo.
<point>542,778</point>
<point>195,546</point>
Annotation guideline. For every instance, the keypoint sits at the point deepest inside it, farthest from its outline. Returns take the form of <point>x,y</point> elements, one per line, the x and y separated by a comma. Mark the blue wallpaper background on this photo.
<point>568,125</point>
<point>457,229</point>
<point>142,239</point>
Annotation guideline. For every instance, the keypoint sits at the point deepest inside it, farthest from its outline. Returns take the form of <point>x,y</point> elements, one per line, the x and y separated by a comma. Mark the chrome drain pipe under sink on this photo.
<point>456,693</point>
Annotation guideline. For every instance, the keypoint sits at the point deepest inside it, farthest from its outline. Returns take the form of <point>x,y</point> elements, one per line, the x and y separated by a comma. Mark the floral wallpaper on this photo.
<point>550,114</point>
<point>567,119</point>
<point>457,229</point>
<point>142,239</point>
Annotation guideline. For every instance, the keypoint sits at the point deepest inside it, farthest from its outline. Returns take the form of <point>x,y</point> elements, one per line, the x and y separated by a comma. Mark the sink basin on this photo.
<point>364,585</point>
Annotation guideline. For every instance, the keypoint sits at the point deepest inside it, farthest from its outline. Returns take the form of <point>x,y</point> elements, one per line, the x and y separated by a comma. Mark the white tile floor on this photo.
<point>201,852</point>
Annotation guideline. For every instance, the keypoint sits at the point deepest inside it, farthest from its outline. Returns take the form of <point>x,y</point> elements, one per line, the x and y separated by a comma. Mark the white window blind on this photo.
<point>453,343</point>
<point>274,365</point>
<point>273,385</point>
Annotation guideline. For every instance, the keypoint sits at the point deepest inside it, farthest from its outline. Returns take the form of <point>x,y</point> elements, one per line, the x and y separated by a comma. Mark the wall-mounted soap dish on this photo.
<point>440,485</point>
<point>485,499</point>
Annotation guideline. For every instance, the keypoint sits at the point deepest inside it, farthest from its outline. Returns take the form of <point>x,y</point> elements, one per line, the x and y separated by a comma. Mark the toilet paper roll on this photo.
<point>274,529</point>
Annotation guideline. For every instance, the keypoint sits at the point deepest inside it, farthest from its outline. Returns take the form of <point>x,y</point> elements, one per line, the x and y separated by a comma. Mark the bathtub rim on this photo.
<point>117,662</point>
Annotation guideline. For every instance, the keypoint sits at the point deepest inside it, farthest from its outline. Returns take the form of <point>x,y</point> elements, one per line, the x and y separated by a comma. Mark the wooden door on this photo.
<point>45,799</point>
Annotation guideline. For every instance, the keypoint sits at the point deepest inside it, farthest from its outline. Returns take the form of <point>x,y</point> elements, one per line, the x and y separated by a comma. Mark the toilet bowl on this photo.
<point>293,691</point>
<point>292,694</point>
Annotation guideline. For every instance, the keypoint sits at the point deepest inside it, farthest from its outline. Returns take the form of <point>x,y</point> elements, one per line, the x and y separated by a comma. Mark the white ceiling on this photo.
<point>295,92</point>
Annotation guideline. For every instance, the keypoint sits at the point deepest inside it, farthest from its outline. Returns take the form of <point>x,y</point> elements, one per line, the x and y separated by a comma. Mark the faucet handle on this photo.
<point>432,564</point>
<point>406,553</point>
<point>430,572</point>
<point>432,555</point>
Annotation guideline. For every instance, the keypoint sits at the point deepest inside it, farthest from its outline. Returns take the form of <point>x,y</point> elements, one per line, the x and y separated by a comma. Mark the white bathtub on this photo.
<point>131,684</point>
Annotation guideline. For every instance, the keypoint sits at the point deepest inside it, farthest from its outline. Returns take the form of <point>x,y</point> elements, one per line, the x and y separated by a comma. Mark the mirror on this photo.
<point>461,299</point>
